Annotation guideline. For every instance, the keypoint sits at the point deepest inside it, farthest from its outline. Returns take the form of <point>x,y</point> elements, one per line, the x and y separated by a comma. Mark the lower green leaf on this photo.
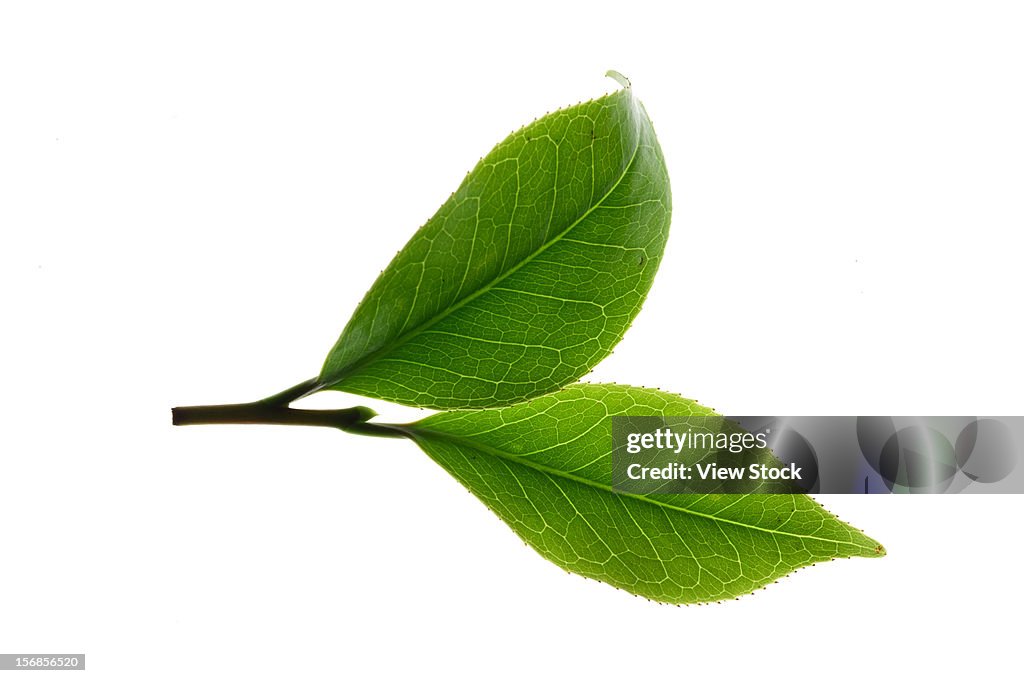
<point>545,468</point>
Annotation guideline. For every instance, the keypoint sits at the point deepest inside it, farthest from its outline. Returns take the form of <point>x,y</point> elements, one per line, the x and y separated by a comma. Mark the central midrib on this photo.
<point>401,339</point>
<point>413,432</point>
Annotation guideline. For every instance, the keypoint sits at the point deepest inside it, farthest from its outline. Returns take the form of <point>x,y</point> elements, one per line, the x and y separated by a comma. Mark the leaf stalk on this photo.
<point>275,410</point>
<point>260,413</point>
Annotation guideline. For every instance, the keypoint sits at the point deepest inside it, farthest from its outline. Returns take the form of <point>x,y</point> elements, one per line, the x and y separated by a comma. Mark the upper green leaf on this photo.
<point>527,276</point>
<point>545,468</point>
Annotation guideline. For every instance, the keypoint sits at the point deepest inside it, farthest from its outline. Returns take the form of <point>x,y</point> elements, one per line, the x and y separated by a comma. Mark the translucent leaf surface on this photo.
<point>545,468</point>
<point>527,276</point>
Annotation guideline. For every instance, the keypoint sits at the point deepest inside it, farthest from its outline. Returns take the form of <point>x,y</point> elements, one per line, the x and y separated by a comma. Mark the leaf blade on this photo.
<point>526,277</point>
<point>544,468</point>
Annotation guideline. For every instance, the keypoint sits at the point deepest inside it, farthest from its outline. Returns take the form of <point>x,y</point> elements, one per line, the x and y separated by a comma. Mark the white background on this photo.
<point>194,196</point>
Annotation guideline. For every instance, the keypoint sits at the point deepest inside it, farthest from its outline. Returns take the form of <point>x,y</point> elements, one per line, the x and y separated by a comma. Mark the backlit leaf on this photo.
<point>527,276</point>
<point>545,468</point>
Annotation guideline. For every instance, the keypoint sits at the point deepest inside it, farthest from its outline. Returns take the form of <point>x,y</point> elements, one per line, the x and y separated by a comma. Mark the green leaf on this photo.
<point>526,277</point>
<point>545,468</point>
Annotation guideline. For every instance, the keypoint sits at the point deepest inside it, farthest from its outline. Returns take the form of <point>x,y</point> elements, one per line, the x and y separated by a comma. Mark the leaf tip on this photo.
<point>619,78</point>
